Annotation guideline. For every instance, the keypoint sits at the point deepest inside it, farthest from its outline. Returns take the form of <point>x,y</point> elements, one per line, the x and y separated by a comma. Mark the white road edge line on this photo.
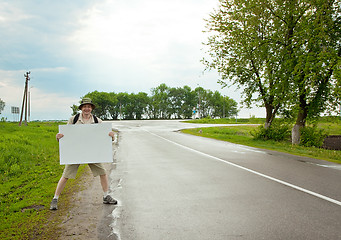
<point>254,172</point>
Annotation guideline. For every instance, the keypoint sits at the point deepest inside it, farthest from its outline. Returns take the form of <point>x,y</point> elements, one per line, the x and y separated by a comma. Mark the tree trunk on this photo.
<point>269,117</point>
<point>270,114</point>
<point>301,117</point>
<point>296,134</point>
<point>300,123</point>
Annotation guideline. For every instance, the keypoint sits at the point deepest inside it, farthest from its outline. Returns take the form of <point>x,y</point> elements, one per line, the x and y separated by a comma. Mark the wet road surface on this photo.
<point>176,186</point>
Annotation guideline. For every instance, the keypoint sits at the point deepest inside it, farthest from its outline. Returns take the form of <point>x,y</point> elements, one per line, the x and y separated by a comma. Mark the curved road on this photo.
<point>176,186</point>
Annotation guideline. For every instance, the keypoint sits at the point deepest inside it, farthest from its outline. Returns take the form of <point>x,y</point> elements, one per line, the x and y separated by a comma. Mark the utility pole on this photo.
<point>29,104</point>
<point>24,100</point>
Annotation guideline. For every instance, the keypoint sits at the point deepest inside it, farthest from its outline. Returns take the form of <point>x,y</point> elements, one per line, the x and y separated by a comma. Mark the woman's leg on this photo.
<point>60,186</point>
<point>104,183</point>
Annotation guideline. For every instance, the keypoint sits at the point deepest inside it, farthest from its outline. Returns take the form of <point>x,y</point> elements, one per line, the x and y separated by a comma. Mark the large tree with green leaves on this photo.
<point>242,50</point>
<point>286,53</point>
<point>314,57</point>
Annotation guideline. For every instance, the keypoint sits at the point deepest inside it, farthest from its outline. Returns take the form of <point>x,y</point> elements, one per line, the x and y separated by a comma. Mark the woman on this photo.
<point>97,169</point>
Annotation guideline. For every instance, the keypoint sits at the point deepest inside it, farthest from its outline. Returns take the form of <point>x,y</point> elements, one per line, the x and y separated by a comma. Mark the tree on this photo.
<point>135,105</point>
<point>315,56</point>
<point>74,109</point>
<point>175,101</point>
<point>130,107</point>
<point>189,102</point>
<point>177,98</point>
<point>223,107</point>
<point>203,99</point>
<point>121,104</point>
<point>230,107</point>
<point>2,105</point>
<point>241,49</point>
<point>141,102</point>
<point>160,102</point>
<point>199,95</point>
<point>113,109</point>
<point>103,101</point>
<point>287,52</point>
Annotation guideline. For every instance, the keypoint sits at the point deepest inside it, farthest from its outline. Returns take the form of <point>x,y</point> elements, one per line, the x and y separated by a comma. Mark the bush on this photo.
<point>277,131</point>
<point>312,136</point>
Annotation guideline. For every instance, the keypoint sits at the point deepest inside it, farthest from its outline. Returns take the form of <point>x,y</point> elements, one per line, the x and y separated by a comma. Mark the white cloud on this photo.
<point>10,14</point>
<point>75,47</point>
<point>136,45</point>
<point>142,31</point>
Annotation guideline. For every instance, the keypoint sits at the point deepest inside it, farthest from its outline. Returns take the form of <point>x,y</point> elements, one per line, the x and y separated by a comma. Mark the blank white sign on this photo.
<point>85,143</point>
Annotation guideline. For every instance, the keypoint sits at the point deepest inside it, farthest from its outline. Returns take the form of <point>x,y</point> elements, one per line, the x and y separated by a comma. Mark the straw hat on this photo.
<point>86,101</point>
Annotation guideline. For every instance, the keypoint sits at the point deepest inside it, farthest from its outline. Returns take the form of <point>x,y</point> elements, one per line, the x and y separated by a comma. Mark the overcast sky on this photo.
<point>79,46</point>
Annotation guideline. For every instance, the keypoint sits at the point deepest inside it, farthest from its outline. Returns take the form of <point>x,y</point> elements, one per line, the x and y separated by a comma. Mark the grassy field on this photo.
<point>29,172</point>
<point>241,135</point>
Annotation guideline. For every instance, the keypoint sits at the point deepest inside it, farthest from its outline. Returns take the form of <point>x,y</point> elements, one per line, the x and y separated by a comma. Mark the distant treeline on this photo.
<point>164,103</point>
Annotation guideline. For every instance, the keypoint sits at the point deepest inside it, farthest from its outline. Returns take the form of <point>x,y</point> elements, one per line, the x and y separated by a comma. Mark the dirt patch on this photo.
<point>83,218</point>
<point>79,221</point>
<point>80,210</point>
<point>34,207</point>
<point>332,142</point>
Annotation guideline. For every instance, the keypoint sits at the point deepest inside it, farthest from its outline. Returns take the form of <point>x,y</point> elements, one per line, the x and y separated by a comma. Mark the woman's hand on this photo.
<point>59,136</point>
<point>112,135</point>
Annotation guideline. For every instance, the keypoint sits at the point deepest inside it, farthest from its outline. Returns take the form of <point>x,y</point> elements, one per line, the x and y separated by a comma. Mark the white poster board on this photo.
<point>85,143</point>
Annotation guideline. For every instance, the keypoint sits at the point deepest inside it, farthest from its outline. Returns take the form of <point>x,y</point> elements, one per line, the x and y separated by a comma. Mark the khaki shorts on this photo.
<point>70,171</point>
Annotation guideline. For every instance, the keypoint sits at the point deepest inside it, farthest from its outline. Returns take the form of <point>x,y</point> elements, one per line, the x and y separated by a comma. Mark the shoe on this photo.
<point>109,200</point>
<point>54,204</point>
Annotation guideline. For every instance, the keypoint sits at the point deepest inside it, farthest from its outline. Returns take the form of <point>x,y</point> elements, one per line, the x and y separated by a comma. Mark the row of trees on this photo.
<point>286,55</point>
<point>164,103</point>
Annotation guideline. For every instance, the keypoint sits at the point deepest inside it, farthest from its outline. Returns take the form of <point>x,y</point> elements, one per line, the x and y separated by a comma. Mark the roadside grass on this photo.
<point>331,125</point>
<point>241,135</point>
<point>29,172</point>
<point>228,121</point>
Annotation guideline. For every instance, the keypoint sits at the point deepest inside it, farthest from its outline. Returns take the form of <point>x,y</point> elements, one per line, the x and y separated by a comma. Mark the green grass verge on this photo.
<point>241,135</point>
<point>228,121</point>
<point>332,125</point>
<point>29,172</point>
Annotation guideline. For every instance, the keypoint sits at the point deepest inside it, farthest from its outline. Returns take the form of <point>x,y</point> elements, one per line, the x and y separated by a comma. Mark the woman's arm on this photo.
<point>112,135</point>
<point>59,136</point>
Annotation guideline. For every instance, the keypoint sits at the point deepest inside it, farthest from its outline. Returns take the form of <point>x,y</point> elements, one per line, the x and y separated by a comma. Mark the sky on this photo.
<point>75,47</point>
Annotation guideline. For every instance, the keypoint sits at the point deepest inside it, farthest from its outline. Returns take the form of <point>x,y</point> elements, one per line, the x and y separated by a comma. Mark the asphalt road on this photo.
<point>176,186</point>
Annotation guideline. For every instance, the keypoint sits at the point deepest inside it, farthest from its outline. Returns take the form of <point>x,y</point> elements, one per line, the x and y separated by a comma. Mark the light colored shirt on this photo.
<point>83,121</point>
